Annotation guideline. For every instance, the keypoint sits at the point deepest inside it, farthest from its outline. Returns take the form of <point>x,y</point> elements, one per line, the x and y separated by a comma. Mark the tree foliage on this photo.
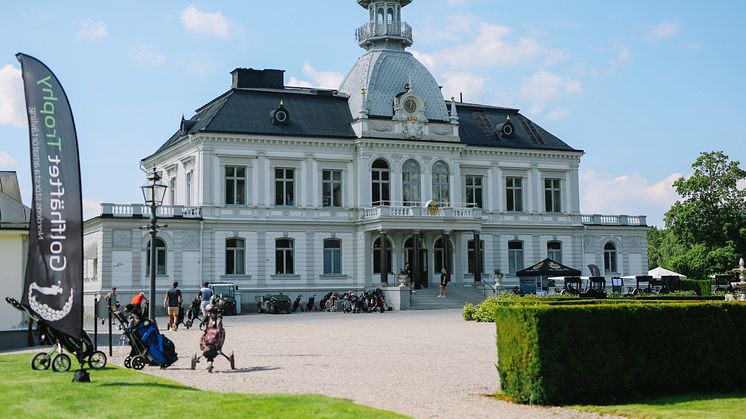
<point>706,229</point>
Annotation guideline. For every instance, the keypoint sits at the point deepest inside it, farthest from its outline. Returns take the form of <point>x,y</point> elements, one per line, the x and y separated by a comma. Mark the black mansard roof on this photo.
<point>323,113</point>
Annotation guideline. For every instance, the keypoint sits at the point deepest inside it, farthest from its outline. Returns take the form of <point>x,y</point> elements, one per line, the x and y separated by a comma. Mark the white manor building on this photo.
<point>279,188</point>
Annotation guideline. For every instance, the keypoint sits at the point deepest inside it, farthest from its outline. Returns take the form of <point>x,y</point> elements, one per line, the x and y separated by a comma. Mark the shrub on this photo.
<point>469,312</point>
<point>700,286</point>
<point>616,352</point>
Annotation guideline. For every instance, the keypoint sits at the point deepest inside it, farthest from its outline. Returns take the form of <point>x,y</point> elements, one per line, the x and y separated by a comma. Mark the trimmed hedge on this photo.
<point>611,353</point>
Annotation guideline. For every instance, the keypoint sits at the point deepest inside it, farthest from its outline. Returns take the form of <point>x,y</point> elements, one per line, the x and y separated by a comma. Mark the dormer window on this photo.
<point>280,115</point>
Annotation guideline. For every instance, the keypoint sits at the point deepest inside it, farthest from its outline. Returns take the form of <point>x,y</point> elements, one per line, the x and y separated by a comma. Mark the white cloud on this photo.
<point>628,194</point>
<point>205,23</point>
<point>558,113</point>
<point>6,160</point>
<point>12,107</point>
<point>198,68</point>
<point>91,208</point>
<point>471,85</point>
<point>323,79</point>
<point>663,31</point>
<point>91,30</point>
<point>544,87</point>
<point>556,56</point>
<point>623,56</point>
<point>490,48</point>
<point>147,55</point>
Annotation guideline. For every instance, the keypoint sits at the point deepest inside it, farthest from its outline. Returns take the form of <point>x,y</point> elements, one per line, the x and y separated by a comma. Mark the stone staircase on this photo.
<point>457,295</point>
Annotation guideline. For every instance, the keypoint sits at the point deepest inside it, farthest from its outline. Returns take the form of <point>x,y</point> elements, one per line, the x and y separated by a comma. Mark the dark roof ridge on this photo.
<point>206,105</point>
<point>479,105</point>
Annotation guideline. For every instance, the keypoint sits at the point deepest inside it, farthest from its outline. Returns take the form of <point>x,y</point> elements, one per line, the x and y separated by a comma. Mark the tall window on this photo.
<point>235,256</point>
<point>515,256</point>
<point>440,182</point>
<point>552,195</point>
<point>610,257</point>
<point>474,191</point>
<point>471,254</point>
<point>410,179</point>
<point>284,257</point>
<point>188,189</point>
<point>160,257</point>
<point>172,190</point>
<point>440,255</point>
<point>514,194</point>
<point>377,256</point>
<point>284,187</point>
<point>381,182</point>
<point>332,257</point>
<point>331,189</point>
<point>554,251</point>
<point>235,185</point>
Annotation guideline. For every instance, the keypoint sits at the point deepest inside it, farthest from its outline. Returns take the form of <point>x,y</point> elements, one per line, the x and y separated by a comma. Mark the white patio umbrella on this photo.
<point>659,272</point>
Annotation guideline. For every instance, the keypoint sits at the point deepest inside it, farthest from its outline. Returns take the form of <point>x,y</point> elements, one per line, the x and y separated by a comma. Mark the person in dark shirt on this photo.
<point>173,302</point>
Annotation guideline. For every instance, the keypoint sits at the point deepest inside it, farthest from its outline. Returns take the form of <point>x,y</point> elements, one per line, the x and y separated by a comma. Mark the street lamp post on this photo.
<point>153,194</point>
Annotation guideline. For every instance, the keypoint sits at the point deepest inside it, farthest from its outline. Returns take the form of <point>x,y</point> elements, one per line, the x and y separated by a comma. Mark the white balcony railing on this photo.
<point>623,220</point>
<point>404,211</point>
<point>140,210</point>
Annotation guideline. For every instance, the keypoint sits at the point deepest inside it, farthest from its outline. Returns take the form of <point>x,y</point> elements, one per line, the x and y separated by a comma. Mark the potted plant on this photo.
<point>403,276</point>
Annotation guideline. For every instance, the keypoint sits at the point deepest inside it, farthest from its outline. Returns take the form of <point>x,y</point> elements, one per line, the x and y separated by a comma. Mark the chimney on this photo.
<point>248,78</point>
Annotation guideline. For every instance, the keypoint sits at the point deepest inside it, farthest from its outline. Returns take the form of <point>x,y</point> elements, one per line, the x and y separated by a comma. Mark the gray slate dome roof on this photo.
<point>385,73</point>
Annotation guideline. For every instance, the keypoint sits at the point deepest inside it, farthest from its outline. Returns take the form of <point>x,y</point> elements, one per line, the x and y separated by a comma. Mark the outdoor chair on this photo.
<point>596,287</point>
<point>643,284</point>
<point>617,285</point>
<point>657,285</point>
<point>670,283</point>
<point>722,282</point>
<point>595,271</point>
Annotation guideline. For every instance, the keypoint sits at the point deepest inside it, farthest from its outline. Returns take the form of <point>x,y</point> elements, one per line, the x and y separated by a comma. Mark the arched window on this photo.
<point>381,183</point>
<point>471,254</point>
<point>235,256</point>
<point>515,256</point>
<point>380,17</point>
<point>390,16</point>
<point>440,255</point>
<point>410,183</point>
<point>440,182</point>
<point>284,257</point>
<point>554,251</point>
<point>332,257</point>
<point>377,255</point>
<point>610,257</point>
<point>160,257</point>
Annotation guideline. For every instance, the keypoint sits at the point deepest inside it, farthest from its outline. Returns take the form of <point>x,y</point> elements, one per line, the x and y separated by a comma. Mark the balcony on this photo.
<point>372,31</point>
<point>614,220</point>
<point>403,212</point>
<point>139,210</point>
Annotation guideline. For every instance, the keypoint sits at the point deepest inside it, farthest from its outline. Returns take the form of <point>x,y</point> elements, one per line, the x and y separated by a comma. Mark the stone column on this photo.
<point>384,258</point>
<point>477,258</point>
<point>447,252</point>
<point>415,268</point>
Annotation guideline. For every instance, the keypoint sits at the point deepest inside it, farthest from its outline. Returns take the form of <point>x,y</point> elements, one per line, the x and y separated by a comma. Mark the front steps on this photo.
<point>457,295</point>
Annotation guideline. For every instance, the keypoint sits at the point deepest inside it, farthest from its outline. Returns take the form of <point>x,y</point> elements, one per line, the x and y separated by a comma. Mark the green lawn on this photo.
<point>692,406</point>
<point>117,392</point>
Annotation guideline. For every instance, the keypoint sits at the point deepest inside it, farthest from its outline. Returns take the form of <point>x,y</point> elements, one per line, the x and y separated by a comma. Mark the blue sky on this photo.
<point>642,87</point>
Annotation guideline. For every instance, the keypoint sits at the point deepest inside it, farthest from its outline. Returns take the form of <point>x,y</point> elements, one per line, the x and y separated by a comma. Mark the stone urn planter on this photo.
<point>403,279</point>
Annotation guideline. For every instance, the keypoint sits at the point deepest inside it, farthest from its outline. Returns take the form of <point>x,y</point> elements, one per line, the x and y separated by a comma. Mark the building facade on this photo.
<point>279,188</point>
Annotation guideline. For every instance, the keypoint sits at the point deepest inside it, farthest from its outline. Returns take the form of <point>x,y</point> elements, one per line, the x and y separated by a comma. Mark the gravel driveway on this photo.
<point>424,364</point>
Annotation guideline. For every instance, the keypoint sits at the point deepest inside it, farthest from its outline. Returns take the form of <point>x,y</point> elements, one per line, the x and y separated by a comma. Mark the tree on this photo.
<point>706,230</point>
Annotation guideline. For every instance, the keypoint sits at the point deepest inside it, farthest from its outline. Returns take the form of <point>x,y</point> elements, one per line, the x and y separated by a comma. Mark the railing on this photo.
<point>373,30</point>
<point>140,210</point>
<point>624,220</point>
<point>488,288</point>
<point>410,211</point>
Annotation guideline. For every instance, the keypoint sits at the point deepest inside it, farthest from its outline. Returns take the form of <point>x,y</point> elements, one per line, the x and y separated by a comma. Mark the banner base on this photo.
<point>81,376</point>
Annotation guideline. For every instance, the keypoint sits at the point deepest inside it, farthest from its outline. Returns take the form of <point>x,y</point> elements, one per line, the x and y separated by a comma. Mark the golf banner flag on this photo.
<point>54,268</point>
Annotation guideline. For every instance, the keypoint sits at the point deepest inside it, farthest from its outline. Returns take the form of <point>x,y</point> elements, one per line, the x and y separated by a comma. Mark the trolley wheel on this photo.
<point>139,362</point>
<point>61,363</point>
<point>188,324</point>
<point>128,362</point>
<point>97,360</point>
<point>194,361</point>
<point>209,368</point>
<point>232,360</point>
<point>40,361</point>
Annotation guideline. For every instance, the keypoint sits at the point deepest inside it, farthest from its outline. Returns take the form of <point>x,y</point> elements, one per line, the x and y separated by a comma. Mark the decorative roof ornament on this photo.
<point>453,118</point>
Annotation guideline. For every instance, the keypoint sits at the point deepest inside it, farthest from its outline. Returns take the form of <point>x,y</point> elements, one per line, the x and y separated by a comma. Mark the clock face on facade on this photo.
<point>410,105</point>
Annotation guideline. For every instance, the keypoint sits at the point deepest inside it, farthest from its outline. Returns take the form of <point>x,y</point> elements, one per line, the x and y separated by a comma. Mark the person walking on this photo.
<point>444,280</point>
<point>205,293</point>
<point>172,302</point>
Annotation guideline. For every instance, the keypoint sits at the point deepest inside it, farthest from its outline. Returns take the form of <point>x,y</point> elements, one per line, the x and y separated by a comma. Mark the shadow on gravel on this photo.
<point>244,370</point>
